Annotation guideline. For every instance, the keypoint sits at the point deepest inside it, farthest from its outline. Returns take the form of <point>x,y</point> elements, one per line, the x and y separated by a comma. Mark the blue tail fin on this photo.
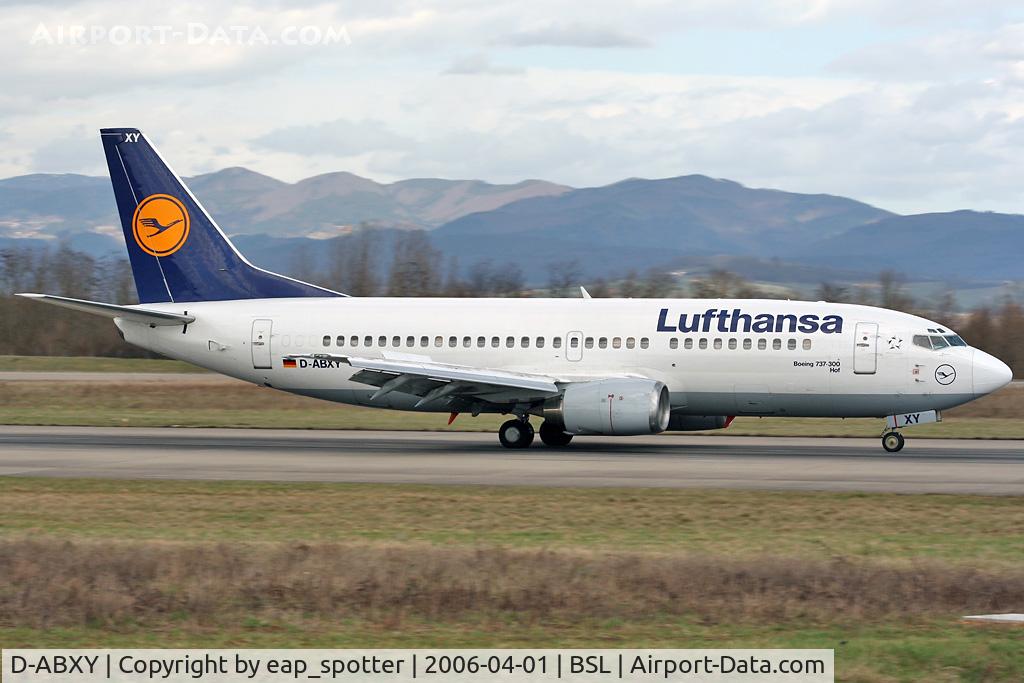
<point>177,251</point>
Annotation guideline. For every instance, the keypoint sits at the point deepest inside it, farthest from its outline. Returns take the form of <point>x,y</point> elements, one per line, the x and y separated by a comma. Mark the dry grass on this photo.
<point>985,531</point>
<point>45,583</point>
<point>93,364</point>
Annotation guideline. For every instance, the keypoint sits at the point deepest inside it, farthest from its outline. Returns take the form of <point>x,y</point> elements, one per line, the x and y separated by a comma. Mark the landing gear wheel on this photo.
<point>893,442</point>
<point>516,434</point>
<point>554,436</point>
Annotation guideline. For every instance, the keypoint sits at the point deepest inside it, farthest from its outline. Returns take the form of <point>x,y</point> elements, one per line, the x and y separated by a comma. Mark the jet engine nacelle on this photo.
<point>614,407</point>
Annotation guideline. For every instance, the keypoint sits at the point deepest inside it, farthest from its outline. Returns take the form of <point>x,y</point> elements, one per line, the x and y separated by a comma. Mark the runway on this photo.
<point>677,461</point>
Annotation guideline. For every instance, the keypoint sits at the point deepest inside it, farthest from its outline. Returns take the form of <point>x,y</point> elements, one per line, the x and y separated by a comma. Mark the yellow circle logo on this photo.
<point>160,225</point>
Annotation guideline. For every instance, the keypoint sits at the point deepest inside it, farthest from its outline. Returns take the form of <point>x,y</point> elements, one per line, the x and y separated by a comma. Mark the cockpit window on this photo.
<point>936,342</point>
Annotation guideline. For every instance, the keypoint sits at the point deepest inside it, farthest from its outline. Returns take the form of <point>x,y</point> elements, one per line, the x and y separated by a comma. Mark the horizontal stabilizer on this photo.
<point>140,315</point>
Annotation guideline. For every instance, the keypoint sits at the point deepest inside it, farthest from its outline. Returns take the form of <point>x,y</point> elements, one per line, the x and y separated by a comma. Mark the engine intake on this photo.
<point>613,407</point>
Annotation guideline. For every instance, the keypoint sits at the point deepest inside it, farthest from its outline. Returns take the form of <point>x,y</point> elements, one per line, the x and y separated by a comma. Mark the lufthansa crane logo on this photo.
<point>160,225</point>
<point>945,374</point>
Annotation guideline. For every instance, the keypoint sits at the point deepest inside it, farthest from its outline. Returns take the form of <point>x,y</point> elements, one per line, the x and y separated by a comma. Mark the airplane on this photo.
<point>584,366</point>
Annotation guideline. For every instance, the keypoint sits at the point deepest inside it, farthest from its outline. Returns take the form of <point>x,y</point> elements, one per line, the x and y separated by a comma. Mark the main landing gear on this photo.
<point>516,434</point>
<point>554,436</point>
<point>519,434</point>
<point>893,442</point>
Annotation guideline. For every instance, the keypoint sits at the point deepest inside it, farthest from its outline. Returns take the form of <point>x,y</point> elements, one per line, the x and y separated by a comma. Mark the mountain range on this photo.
<point>688,222</point>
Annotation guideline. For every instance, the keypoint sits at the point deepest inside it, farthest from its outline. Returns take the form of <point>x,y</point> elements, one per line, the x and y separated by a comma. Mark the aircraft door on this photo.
<point>865,349</point>
<point>261,330</point>
<point>574,346</point>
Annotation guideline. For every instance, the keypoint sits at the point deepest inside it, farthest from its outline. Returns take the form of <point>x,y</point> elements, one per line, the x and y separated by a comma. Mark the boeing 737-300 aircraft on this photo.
<point>584,366</point>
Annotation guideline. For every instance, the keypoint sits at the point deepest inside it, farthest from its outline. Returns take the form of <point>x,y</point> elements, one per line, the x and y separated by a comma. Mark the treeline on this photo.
<point>409,265</point>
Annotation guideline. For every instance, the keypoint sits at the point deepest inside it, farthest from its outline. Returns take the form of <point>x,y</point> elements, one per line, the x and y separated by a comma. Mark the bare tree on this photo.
<point>414,266</point>
<point>832,293</point>
<point>563,277</point>
<point>354,264</point>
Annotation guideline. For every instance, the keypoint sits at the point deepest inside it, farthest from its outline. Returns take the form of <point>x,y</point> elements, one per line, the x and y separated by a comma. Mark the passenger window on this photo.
<point>807,344</point>
<point>718,344</point>
<point>396,341</point>
<point>644,342</point>
<point>630,342</point>
<point>367,340</point>
<point>481,342</point>
<point>673,343</point>
<point>557,342</point>
<point>939,342</point>
<point>922,341</point>
<point>353,340</point>
<point>762,344</point>
<point>453,342</point>
<point>702,344</point>
<point>510,342</point>
<point>617,343</point>
<point>524,342</point>
<point>791,344</point>
<point>438,341</point>
<point>747,344</point>
<point>327,340</point>
<point>732,344</point>
<point>340,341</point>
<point>495,342</point>
<point>540,342</point>
<point>688,344</point>
<point>588,343</point>
<point>467,342</point>
<point>574,342</point>
<point>382,341</point>
<point>602,343</point>
<point>776,344</point>
<point>424,341</point>
<point>410,341</point>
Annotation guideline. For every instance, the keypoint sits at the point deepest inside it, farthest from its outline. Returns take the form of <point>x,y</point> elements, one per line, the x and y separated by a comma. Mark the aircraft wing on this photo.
<point>434,381</point>
<point>133,313</point>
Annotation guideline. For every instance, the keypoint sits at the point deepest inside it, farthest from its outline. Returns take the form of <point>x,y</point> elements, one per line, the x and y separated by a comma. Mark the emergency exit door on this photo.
<point>261,344</point>
<point>865,349</point>
<point>574,346</point>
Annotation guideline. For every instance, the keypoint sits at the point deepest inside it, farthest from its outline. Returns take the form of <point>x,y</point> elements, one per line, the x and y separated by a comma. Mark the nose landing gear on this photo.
<point>893,442</point>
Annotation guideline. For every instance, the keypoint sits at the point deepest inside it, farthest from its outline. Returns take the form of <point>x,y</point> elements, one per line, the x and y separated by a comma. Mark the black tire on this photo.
<point>516,434</point>
<point>554,436</point>
<point>893,442</point>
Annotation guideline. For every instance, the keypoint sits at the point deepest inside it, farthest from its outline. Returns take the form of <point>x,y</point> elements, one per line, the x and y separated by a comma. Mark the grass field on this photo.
<point>92,364</point>
<point>201,404</point>
<point>883,579</point>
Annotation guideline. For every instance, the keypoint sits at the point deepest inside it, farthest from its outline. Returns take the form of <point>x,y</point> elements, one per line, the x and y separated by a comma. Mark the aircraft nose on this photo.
<point>990,373</point>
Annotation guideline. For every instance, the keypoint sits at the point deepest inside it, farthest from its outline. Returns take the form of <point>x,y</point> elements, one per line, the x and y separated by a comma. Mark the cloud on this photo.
<point>941,57</point>
<point>338,138</point>
<point>574,35</point>
<point>479,63</point>
<point>79,152</point>
<point>919,108</point>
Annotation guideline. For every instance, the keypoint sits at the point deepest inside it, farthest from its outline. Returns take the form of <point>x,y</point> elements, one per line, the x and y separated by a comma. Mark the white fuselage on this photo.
<point>792,364</point>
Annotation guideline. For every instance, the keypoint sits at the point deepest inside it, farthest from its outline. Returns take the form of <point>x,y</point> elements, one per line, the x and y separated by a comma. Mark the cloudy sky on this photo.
<point>913,105</point>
